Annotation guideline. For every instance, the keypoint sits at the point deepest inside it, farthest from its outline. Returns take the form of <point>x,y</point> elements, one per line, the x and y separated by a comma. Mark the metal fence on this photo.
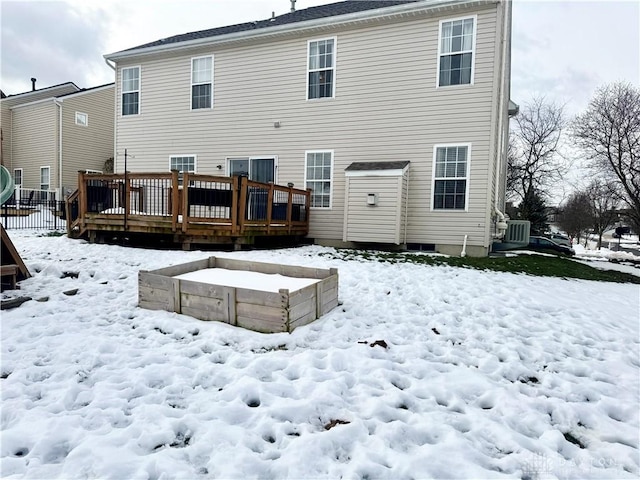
<point>39,212</point>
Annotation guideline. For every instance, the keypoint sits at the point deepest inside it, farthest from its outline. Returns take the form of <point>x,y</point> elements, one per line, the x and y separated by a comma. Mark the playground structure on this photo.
<point>13,268</point>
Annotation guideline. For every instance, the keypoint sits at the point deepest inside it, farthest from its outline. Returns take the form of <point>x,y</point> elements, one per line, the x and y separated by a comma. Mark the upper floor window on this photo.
<point>131,91</point>
<point>82,119</point>
<point>456,51</point>
<point>321,72</point>
<point>318,173</point>
<point>201,82</point>
<point>451,177</point>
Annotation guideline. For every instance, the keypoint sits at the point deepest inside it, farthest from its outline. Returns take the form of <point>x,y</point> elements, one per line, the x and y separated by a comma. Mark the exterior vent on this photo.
<point>518,231</point>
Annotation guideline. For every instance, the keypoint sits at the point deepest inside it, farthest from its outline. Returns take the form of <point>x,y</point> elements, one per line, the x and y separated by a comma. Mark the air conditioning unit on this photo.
<point>518,231</point>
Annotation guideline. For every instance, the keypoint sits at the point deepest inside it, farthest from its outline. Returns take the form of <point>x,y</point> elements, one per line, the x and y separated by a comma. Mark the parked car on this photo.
<point>620,231</point>
<point>561,239</point>
<point>546,244</point>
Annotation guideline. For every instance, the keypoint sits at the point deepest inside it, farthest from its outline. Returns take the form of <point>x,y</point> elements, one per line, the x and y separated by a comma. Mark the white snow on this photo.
<point>422,372</point>
<point>245,279</point>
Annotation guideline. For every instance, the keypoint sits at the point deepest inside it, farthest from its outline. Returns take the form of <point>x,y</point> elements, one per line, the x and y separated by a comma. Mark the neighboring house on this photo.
<point>51,133</point>
<point>394,113</point>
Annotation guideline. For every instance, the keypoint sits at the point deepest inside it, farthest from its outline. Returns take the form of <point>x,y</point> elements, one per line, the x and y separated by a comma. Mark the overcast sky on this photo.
<point>563,50</point>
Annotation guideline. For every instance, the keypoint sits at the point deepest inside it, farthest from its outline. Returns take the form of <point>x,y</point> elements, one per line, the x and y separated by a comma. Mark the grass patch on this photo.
<point>537,265</point>
<point>54,233</point>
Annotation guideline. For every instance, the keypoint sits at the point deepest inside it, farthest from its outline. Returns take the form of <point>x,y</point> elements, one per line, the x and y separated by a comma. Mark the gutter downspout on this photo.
<point>115,110</point>
<point>59,105</point>
<point>406,211</point>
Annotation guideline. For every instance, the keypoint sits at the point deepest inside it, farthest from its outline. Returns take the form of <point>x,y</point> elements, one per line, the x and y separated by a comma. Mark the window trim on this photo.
<point>467,178</point>
<point>473,51</point>
<point>21,170</point>
<point>331,176</point>
<point>191,84</point>
<point>139,90</point>
<point>334,68</point>
<point>47,167</point>
<point>86,119</point>
<point>195,161</point>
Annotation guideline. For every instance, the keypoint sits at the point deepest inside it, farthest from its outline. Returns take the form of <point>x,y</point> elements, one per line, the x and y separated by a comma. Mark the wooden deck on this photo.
<point>187,208</point>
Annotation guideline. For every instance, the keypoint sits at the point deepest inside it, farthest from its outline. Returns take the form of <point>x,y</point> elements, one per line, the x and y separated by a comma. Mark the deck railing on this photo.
<point>191,204</point>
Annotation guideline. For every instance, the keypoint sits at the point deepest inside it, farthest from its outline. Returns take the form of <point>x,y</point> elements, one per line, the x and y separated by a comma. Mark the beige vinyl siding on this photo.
<point>35,142</point>
<point>86,147</point>
<point>386,108</point>
<point>14,100</point>
<point>381,223</point>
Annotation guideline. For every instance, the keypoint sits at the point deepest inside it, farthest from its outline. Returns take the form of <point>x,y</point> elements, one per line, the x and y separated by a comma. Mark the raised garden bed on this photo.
<point>264,297</point>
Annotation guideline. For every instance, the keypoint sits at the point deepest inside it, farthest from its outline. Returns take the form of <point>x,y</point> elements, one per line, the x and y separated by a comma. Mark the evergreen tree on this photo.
<point>533,208</point>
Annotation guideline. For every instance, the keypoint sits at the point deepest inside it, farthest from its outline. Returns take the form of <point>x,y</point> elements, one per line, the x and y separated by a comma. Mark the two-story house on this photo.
<point>49,134</point>
<point>394,113</point>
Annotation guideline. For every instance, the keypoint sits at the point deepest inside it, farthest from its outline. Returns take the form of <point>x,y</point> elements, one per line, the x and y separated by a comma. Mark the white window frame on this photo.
<point>254,157</point>
<point>16,170</point>
<point>466,177</point>
<point>193,59</point>
<point>334,57</point>
<point>79,117</point>
<point>330,180</point>
<point>195,162</point>
<point>138,91</point>
<point>472,51</point>
<point>48,169</point>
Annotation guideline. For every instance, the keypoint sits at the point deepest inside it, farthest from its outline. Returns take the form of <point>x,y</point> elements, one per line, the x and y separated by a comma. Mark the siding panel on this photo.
<point>87,147</point>
<point>35,142</point>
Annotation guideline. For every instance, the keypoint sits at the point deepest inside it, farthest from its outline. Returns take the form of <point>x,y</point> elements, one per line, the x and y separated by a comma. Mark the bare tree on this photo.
<point>609,133</point>
<point>534,161</point>
<point>602,203</point>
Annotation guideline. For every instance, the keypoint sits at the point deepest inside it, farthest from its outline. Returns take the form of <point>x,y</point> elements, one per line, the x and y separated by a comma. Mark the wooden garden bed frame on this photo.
<point>262,311</point>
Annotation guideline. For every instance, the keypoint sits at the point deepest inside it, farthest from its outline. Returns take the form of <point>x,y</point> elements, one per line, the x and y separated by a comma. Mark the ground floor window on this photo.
<point>450,177</point>
<point>45,182</point>
<point>17,177</point>
<point>318,177</point>
<point>182,163</point>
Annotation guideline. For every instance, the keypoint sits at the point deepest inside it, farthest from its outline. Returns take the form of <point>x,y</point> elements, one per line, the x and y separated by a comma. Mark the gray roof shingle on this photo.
<point>312,13</point>
<point>372,166</point>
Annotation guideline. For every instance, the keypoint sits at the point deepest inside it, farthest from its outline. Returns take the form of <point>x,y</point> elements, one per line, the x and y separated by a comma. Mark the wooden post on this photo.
<point>269,207</point>
<point>126,191</point>
<point>175,199</point>
<point>289,209</point>
<point>307,208</point>
<point>82,199</point>
<point>185,201</point>
<point>235,192</point>
<point>242,210</point>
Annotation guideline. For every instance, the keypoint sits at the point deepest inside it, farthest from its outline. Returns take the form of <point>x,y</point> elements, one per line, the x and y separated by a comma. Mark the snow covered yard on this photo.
<point>422,372</point>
